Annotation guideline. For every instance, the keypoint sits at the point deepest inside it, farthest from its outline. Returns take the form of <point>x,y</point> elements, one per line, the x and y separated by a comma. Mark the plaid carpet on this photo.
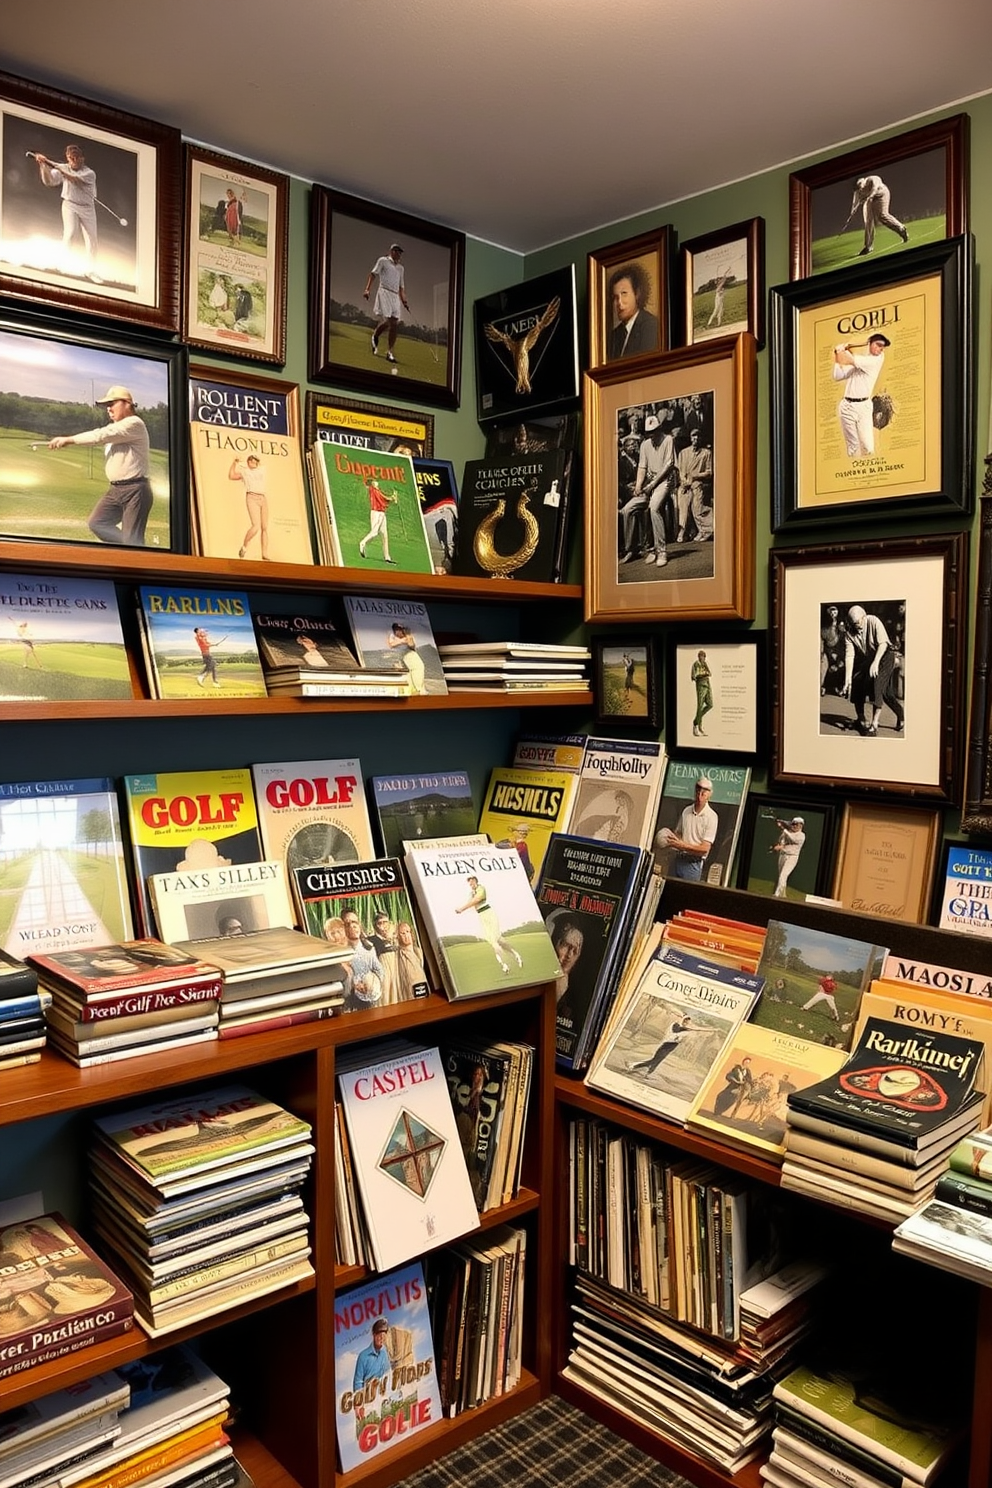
<point>552,1445</point>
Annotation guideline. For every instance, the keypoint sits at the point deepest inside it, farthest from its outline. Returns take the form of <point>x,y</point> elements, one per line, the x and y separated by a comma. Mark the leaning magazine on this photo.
<point>312,811</point>
<point>618,791</point>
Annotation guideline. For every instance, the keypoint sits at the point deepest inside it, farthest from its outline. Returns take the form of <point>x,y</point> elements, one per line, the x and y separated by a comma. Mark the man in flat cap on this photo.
<point>695,836</point>
<point>390,297</point>
<point>121,514</point>
<point>858,366</point>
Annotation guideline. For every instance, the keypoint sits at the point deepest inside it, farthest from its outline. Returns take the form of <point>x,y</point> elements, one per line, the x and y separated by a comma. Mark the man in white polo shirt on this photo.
<point>121,514</point>
<point>390,297</point>
<point>696,834</point>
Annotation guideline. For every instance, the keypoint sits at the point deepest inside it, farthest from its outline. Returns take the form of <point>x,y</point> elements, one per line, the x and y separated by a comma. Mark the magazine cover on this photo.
<point>63,877</point>
<point>619,786</point>
<point>122,966</point>
<point>221,901</point>
<point>60,640</point>
<point>406,1154</point>
<point>374,508</point>
<point>522,807</point>
<point>200,643</point>
<point>814,981</point>
<point>509,516</point>
<point>364,908</point>
<point>550,752</point>
<point>309,642</point>
<point>247,465</point>
<point>385,1379</point>
<point>187,820</point>
<point>439,505</point>
<point>699,819</point>
<point>963,902</point>
<point>395,635</point>
<point>412,807</point>
<point>671,1032</point>
<point>313,811</point>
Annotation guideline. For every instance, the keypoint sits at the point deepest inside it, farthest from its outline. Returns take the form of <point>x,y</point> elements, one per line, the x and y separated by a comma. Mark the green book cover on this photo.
<point>374,507</point>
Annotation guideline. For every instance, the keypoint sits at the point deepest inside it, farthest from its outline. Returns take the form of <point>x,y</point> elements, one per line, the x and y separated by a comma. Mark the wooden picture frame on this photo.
<point>627,681</point>
<point>527,349</point>
<point>886,856</point>
<point>771,862</point>
<point>916,588</point>
<point>925,185</point>
<point>115,255</point>
<point>898,334</point>
<point>709,575</point>
<point>366,425</point>
<point>715,692</point>
<point>630,297</point>
<point>723,283</point>
<point>977,815</point>
<point>235,257</point>
<point>52,370</point>
<point>348,239</point>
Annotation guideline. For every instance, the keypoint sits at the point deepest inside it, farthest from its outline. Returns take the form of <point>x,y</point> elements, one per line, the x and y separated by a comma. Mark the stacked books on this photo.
<point>44,1440</point>
<point>954,1230</point>
<point>304,656</point>
<point>477,1291</point>
<point>272,978</point>
<point>489,1085</point>
<point>133,997</point>
<point>886,1121</point>
<point>22,1013</point>
<point>56,1295</point>
<point>197,1199</point>
<point>515,666</point>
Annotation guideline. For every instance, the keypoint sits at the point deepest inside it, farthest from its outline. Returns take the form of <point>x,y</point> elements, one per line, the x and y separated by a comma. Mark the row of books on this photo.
<point>23,1014</point>
<point>477,1304</point>
<point>954,1229</point>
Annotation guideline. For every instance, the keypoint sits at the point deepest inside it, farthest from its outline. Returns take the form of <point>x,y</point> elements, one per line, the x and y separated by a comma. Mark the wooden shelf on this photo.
<point>219,707</point>
<point>264,1470</point>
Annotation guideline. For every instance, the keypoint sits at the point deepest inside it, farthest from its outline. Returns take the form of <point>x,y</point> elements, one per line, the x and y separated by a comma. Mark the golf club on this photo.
<point>31,155</point>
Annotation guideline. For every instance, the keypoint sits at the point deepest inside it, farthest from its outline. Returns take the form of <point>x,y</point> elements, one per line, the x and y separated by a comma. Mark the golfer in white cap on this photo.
<point>656,476</point>
<point>791,841</point>
<point>121,514</point>
<point>695,836</point>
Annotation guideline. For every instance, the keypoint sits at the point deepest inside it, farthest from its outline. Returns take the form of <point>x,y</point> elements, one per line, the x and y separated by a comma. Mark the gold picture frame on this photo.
<point>642,268</point>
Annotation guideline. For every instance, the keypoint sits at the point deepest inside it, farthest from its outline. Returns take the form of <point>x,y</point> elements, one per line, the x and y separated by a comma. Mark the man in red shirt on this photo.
<point>379,503</point>
<point>825,994</point>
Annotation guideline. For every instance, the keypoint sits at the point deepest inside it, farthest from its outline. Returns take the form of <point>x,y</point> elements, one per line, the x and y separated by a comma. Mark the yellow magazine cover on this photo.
<point>521,809</point>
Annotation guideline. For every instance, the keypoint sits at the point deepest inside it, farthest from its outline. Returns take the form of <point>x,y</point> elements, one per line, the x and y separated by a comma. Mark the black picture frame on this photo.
<point>627,674</point>
<point>41,354</point>
<point>723,253</point>
<point>347,237</point>
<point>737,716</point>
<point>526,349</point>
<point>757,861</point>
<point>930,390</point>
<point>126,266</point>
<point>977,814</point>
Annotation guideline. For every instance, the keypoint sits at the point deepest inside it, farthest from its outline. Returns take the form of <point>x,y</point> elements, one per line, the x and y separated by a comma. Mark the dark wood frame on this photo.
<point>77,116</point>
<point>751,231</point>
<point>324,205</point>
<point>661,243</point>
<point>949,134</point>
<point>952,548</point>
<point>700,639</point>
<point>651,645</point>
<point>977,816</point>
<point>276,260</point>
<point>785,807</point>
<point>953,261</point>
<point>377,420</point>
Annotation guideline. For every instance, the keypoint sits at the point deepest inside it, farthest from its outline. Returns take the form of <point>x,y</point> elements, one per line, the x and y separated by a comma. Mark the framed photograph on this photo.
<point>885,860</point>
<point>872,391</point>
<point>716,694</point>
<point>963,891</point>
<point>385,300</point>
<point>630,297</point>
<point>786,847</point>
<point>90,205</point>
<point>723,276</point>
<point>246,463</point>
<point>527,349</point>
<point>65,477</point>
<point>368,425</point>
<point>977,815</point>
<point>868,665</point>
<point>627,680</point>
<point>670,465</point>
<point>235,257</point>
<point>902,192</point>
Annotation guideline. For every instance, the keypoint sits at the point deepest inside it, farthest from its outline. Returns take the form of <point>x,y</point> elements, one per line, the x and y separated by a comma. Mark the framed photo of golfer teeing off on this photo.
<point>386,293</point>
<point>670,471</point>
<point>90,206</point>
<point>868,666</point>
<point>715,693</point>
<point>61,478</point>
<point>873,390</point>
<point>879,200</point>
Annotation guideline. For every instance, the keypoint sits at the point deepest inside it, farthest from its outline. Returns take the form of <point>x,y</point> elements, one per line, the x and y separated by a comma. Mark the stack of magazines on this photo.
<point>515,666</point>
<point>22,1013</point>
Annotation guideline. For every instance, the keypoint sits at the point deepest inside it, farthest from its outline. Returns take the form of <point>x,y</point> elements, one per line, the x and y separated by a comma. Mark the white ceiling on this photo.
<point>522,122</point>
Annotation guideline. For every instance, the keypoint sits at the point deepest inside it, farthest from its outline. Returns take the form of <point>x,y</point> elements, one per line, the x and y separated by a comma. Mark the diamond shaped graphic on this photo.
<point>412,1154</point>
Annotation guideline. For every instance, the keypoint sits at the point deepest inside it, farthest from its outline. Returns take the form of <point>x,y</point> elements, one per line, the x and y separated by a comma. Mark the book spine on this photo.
<point>966,1192</point>
<point>41,1345</point>
<point>100,1006</point>
<point>827,1441</point>
<point>197,1280</point>
<point>581,1160</point>
<point>189,1444</point>
<point>818,1415</point>
<point>282,1020</point>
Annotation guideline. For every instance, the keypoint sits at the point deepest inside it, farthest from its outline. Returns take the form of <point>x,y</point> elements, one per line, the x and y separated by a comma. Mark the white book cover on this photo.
<point>221,901</point>
<point>407,1155</point>
<point>312,812</point>
<point>618,792</point>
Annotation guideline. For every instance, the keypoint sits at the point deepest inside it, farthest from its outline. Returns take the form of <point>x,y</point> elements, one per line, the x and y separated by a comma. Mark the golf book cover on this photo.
<point>372,504</point>
<point>410,808</point>
<point>313,812</point>
<point>199,643</point>
<point>395,635</point>
<point>60,640</point>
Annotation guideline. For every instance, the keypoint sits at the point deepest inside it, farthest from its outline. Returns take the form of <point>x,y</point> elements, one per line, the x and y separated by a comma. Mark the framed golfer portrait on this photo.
<point>716,693</point>
<point>786,847</point>
<point>90,206</point>
<point>386,294</point>
<point>630,297</point>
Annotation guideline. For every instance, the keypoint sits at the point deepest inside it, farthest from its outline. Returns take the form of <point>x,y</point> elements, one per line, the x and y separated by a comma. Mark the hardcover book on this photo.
<point>108,974</point>
<point>188,820</point>
<point>395,635</point>
<point>919,1008</point>
<point>199,643</point>
<point>510,517</point>
<point>221,901</point>
<point>948,1234</point>
<point>313,811</point>
<point>967,892</point>
<point>304,643</point>
<point>439,504</point>
<point>364,909</point>
<point>693,816</point>
<point>62,873</point>
<point>619,787</point>
<point>896,968</point>
<point>406,1153</point>
<point>814,982</point>
<point>484,923</point>
<point>373,508</point>
<point>522,807</point>
<point>413,807</point>
<point>60,640</point>
<point>385,1377</point>
<point>56,1295</point>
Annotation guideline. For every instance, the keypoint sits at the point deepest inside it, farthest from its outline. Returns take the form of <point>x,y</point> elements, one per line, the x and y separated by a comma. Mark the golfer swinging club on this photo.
<point>121,514</point>
<point>78,183</point>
